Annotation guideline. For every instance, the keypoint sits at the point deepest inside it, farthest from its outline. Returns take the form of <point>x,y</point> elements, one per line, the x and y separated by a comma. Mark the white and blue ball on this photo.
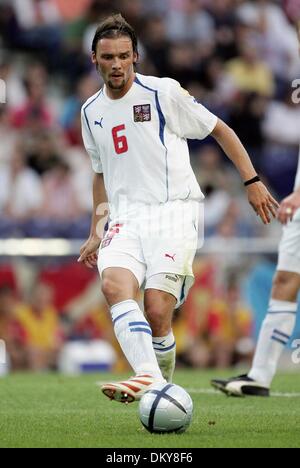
<point>166,408</point>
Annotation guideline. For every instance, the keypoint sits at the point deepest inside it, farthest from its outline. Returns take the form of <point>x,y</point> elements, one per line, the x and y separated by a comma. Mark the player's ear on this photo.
<point>135,58</point>
<point>94,60</point>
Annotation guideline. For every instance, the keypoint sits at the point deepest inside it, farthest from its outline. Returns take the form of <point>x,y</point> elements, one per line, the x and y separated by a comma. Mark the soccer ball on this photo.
<point>166,408</point>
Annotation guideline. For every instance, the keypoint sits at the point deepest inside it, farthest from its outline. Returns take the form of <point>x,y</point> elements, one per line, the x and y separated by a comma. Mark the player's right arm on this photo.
<point>89,250</point>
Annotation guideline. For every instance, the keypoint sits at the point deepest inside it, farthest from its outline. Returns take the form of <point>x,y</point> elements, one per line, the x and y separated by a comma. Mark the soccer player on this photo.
<point>280,320</point>
<point>135,130</point>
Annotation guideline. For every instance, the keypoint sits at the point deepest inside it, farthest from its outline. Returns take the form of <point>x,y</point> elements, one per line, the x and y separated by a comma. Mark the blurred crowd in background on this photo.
<point>237,57</point>
<point>64,305</point>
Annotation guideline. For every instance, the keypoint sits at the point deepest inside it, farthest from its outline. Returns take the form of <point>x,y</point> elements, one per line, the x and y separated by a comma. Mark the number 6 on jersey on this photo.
<point>120,141</point>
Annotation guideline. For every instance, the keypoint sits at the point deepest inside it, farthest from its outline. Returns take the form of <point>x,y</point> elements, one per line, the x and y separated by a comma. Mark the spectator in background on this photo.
<point>10,330</point>
<point>6,15</point>
<point>132,10</point>
<point>42,152</point>
<point>210,170</point>
<point>69,11</point>
<point>15,91</point>
<point>282,121</point>
<point>224,18</point>
<point>234,223</point>
<point>220,89</point>
<point>156,43</point>
<point>70,119</point>
<point>8,138</point>
<point>224,336</point>
<point>190,22</point>
<point>36,113</point>
<point>246,117</point>
<point>38,28</point>
<point>80,166</point>
<point>60,197</point>
<point>277,42</point>
<point>61,214</point>
<point>221,186</point>
<point>40,323</point>
<point>249,73</point>
<point>282,137</point>
<point>33,14</point>
<point>93,325</point>
<point>20,194</point>
<point>230,327</point>
<point>156,7</point>
<point>181,63</point>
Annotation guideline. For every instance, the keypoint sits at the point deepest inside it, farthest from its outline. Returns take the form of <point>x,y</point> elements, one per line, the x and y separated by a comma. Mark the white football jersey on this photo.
<point>139,141</point>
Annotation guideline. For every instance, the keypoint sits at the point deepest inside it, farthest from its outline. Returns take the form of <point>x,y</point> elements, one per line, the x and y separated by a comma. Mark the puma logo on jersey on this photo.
<point>99,123</point>
<point>170,256</point>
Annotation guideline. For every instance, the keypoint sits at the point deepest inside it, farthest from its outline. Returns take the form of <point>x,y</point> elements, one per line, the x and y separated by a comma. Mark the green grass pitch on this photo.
<point>57,411</point>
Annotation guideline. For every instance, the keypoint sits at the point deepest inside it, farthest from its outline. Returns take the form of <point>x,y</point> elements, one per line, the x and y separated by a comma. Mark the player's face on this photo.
<point>115,61</point>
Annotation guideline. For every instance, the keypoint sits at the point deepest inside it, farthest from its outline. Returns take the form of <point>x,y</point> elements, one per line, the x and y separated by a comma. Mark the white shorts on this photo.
<point>289,247</point>
<point>155,245</point>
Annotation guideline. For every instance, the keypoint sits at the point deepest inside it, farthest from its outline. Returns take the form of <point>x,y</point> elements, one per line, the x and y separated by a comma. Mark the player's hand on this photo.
<point>89,252</point>
<point>288,207</point>
<point>262,201</point>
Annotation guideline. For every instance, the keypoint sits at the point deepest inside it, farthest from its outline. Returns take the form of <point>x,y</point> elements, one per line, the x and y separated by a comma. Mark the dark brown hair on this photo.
<point>112,27</point>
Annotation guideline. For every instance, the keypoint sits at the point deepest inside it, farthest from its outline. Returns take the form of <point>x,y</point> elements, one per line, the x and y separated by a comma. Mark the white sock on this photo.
<point>165,350</point>
<point>135,337</point>
<point>274,335</point>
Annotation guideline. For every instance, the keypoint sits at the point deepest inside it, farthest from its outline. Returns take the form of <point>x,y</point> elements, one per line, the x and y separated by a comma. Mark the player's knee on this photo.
<point>160,326</point>
<point>159,314</point>
<point>281,278</point>
<point>285,286</point>
<point>111,289</point>
<point>155,314</point>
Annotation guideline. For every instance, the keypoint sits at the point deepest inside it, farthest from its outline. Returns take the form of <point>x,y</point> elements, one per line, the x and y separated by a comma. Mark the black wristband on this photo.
<point>252,181</point>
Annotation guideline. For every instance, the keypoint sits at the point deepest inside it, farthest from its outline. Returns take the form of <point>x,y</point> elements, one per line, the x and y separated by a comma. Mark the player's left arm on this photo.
<point>259,197</point>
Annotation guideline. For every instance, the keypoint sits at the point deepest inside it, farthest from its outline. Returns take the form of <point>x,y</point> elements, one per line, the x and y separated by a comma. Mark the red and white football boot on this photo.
<point>129,390</point>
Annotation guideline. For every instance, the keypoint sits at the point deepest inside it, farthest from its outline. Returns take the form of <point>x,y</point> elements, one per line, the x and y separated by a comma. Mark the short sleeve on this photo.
<point>89,144</point>
<point>187,117</point>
